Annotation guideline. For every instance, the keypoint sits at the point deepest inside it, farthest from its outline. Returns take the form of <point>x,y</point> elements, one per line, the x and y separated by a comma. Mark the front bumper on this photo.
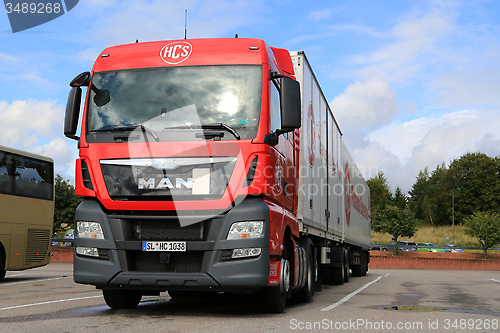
<point>204,266</point>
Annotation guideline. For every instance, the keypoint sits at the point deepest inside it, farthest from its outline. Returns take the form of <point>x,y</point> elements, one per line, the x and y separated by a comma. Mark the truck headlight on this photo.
<point>244,230</point>
<point>89,230</point>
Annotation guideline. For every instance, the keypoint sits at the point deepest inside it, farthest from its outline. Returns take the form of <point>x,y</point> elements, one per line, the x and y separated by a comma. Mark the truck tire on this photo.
<point>305,294</point>
<point>326,275</point>
<point>2,264</point>
<point>338,272</point>
<point>272,299</point>
<point>364,263</point>
<point>347,267</point>
<point>121,299</point>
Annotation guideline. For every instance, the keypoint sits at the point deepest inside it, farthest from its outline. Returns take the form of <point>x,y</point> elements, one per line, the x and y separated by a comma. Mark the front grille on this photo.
<point>37,245</point>
<point>167,230</point>
<point>180,262</point>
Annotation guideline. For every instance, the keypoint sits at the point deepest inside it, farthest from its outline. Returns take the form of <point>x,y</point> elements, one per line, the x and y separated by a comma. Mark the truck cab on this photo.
<point>188,166</point>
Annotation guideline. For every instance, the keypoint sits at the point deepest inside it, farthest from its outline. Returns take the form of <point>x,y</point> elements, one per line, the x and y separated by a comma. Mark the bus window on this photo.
<point>27,206</point>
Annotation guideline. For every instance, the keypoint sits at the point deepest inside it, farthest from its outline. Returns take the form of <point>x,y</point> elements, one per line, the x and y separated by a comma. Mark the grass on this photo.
<point>432,234</point>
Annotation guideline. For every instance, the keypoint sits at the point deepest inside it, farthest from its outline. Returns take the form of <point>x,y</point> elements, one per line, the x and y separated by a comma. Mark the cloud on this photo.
<point>36,126</point>
<point>402,150</point>
<point>468,86</point>
<point>25,71</point>
<point>444,60</point>
<point>414,45</point>
<point>20,118</point>
<point>365,105</point>
<point>319,15</point>
<point>161,20</point>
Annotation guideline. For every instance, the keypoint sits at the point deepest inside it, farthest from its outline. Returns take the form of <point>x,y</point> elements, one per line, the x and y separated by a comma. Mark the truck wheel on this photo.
<point>364,264</point>
<point>326,275</point>
<point>2,265</point>
<point>338,272</point>
<point>273,299</point>
<point>305,294</point>
<point>347,267</point>
<point>121,299</point>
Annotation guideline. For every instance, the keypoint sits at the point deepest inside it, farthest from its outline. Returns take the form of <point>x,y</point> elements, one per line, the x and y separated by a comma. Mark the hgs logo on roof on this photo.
<point>176,52</point>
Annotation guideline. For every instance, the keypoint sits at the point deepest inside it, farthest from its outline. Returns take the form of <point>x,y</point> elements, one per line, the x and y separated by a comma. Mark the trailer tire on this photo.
<point>347,266</point>
<point>338,272</point>
<point>272,299</point>
<point>121,299</point>
<point>305,294</point>
<point>364,264</point>
<point>326,275</point>
<point>2,264</point>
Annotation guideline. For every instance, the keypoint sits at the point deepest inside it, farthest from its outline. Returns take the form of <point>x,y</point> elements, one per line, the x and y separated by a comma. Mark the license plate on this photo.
<point>164,246</point>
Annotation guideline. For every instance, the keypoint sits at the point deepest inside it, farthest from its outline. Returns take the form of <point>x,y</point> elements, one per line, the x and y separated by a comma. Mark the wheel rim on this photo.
<point>309,276</point>
<point>285,287</point>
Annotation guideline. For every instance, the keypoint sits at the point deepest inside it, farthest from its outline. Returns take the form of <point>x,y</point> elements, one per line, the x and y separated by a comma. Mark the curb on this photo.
<point>408,262</point>
<point>62,254</point>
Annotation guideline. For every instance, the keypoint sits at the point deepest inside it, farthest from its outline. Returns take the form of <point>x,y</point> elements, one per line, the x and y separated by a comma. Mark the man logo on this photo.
<point>176,52</point>
<point>25,15</point>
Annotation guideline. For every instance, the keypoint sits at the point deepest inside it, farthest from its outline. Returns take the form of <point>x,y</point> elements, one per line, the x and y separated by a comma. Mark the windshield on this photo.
<point>176,103</point>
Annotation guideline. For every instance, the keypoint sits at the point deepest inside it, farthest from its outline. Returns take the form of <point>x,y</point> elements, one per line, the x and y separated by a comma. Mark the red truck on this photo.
<point>211,165</point>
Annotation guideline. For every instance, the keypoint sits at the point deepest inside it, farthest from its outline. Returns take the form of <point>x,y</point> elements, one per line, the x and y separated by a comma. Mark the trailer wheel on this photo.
<point>121,299</point>
<point>326,275</point>
<point>364,264</point>
<point>2,264</point>
<point>273,299</point>
<point>338,272</point>
<point>347,266</point>
<point>305,294</point>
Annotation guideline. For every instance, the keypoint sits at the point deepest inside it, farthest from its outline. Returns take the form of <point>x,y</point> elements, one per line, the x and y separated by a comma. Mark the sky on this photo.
<point>412,83</point>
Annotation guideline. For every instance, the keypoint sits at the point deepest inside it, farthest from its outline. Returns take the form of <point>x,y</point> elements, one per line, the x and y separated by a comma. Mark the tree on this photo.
<point>485,226</point>
<point>65,203</point>
<point>420,190</point>
<point>396,222</point>
<point>440,196</point>
<point>380,193</point>
<point>399,199</point>
<point>477,176</point>
<point>427,208</point>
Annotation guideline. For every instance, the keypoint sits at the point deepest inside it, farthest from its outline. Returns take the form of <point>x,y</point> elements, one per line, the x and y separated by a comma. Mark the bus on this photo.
<point>27,210</point>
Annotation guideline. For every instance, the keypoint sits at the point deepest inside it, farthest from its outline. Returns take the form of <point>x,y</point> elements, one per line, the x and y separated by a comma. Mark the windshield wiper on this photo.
<point>209,126</point>
<point>129,128</point>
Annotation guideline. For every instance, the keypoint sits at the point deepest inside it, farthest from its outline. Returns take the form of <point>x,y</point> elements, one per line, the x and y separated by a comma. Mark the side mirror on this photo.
<point>72,113</point>
<point>80,80</point>
<point>73,106</point>
<point>291,107</point>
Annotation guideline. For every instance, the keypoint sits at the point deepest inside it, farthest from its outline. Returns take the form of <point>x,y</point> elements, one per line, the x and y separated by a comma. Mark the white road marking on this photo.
<point>49,302</point>
<point>354,293</point>
<point>32,281</point>
<point>495,280</point>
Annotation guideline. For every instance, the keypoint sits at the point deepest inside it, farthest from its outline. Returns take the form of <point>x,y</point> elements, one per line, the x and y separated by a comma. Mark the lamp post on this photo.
<point>453,211</point>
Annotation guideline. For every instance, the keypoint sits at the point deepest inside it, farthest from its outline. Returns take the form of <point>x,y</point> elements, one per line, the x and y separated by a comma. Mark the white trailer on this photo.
<point>334,199</point>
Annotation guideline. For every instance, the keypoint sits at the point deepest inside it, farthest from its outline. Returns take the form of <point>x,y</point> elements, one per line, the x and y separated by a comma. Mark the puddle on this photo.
<point>413,308</point>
